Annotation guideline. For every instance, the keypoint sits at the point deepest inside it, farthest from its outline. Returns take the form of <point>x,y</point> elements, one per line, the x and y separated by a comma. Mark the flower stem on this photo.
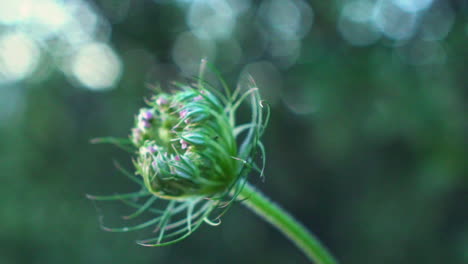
<point>289,226</point>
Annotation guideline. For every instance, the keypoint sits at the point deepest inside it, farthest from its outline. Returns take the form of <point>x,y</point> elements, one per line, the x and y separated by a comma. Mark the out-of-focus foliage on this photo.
<point>367,145</point>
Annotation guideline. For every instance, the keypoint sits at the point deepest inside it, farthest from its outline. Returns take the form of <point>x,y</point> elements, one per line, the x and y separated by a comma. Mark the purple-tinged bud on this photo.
<point>161,101</point>
<point>183,144</point>
<point>144,124</point>
<point>136,135</point>
<point>188,149</point>
<point>147,115</point>
<point>183,113</point>
<point>152,149</point>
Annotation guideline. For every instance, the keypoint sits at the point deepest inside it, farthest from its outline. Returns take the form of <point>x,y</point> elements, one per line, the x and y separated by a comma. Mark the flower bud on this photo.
<point>190,152</point>
<point>188,118</point>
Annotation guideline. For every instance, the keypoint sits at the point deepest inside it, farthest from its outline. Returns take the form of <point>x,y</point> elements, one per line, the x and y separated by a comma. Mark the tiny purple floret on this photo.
<point>161,101</point>
<point>152,149</point>
<point>183,113</point>
<point>177,158</point>
<point>197,98</point>
<point>184,144</point>
<point>145,123</point>
<point>147,115</point>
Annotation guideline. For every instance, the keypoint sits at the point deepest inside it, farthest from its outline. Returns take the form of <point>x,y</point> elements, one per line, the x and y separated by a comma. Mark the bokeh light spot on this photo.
<point>287,19</point>
<point>50,14</point>
<point>358,11</point>
<point>285,52</point>
<point>437,22</point>
<point>211,19</point>
<point>96,66</point>
<point>19,56</point>
<point>12,11</point>
<point>189,50</point>
<point>268,79</point>
<point>394,22</point>
<point>240,6</point>
<point>355,23</point>
<point>413,5</point>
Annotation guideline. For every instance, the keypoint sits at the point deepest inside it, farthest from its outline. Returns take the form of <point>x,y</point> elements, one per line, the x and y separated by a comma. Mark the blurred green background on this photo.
<point>367,144</point>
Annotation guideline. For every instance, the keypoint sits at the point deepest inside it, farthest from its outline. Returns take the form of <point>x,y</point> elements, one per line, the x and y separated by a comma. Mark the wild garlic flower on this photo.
<point>191,157</point>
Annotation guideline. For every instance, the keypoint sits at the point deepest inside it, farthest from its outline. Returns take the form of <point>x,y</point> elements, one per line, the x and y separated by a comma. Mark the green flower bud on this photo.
<point>193,142</point>
<point>191,154</point>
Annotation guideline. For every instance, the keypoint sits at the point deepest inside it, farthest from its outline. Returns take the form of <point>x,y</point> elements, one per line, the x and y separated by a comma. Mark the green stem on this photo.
<point>289,226</point>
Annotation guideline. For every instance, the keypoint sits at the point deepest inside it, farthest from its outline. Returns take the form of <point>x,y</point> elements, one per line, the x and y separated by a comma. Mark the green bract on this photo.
<point>191,156</point>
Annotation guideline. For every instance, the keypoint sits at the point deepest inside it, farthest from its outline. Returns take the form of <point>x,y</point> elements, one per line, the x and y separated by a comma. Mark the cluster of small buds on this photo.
<point>144,123</point>
<point>144,119</point>
<point>179,146</point>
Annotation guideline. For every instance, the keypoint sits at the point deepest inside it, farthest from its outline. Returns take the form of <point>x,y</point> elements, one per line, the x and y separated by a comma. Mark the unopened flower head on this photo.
<point>190,158</point>
<point>191,154</point>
